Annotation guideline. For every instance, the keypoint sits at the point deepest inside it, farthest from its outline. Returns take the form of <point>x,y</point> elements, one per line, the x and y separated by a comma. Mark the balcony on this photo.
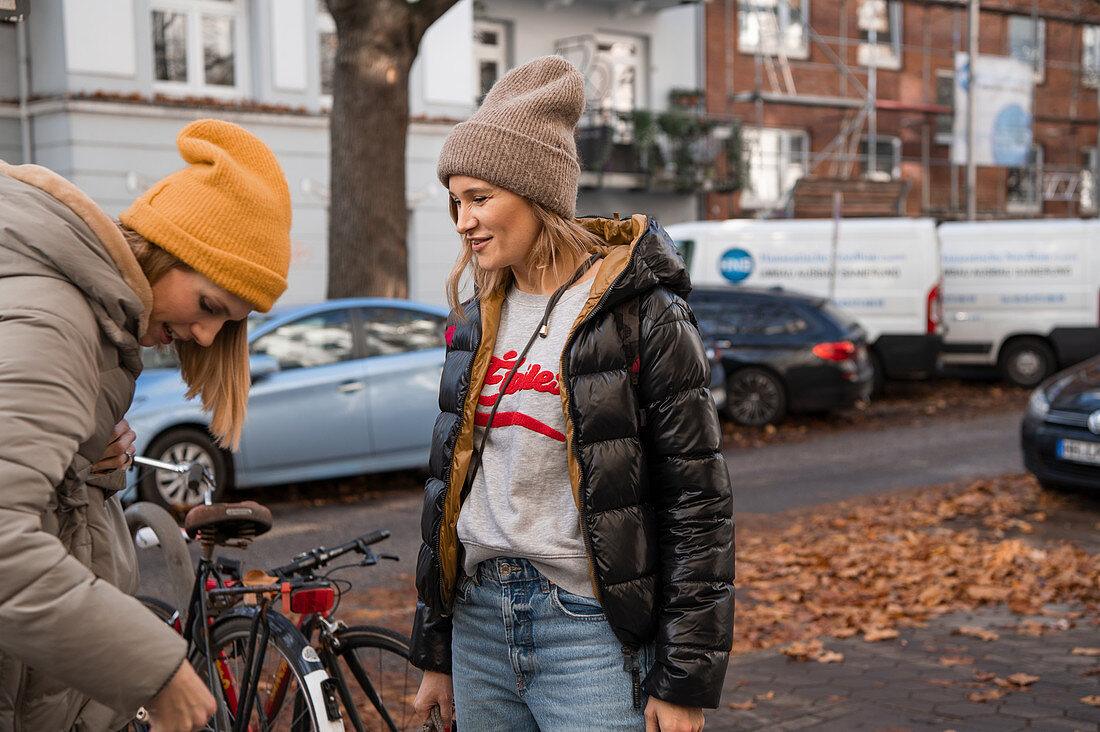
<point>678,151</point>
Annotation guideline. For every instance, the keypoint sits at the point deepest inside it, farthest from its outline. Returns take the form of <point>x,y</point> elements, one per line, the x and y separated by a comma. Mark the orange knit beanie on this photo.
<point>226,215</point>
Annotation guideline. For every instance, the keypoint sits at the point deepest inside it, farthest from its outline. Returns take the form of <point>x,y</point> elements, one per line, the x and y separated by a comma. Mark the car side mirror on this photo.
<point>260,367</point>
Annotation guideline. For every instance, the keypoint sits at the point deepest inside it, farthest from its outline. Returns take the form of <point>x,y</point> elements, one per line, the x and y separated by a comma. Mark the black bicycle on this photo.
<point>263,672</point>
<point>366,667</point>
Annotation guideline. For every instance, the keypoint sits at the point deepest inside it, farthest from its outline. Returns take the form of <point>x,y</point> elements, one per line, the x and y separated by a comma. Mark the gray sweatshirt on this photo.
<point>521,503</point>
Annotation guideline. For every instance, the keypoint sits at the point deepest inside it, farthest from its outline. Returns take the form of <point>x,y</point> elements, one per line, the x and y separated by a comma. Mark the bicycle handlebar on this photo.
<point>319,557</point>
<point>195,474</point>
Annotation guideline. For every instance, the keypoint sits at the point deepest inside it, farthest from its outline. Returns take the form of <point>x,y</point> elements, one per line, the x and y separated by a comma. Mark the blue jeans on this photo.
<point>527,655</point>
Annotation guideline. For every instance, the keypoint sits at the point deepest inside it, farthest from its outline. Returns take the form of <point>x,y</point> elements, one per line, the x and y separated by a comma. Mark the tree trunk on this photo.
<point>377,43</point>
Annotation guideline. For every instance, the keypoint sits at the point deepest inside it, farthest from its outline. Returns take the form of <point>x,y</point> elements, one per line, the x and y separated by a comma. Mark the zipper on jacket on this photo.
<point>20,690</point>
<point>634,666</point>
<point>448,602</point>
<point>582,508</point>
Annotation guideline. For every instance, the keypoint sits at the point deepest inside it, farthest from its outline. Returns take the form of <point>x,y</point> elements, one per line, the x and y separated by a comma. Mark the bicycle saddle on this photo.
<point>225,522</point>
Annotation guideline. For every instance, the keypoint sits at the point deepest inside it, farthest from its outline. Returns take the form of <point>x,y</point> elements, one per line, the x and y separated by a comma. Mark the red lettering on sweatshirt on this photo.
<point>534,378</point>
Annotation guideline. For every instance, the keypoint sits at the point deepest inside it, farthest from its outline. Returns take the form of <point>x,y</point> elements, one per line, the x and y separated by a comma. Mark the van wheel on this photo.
<point>1026,362</point>
<point>755,397</point>
<point>182,446</point>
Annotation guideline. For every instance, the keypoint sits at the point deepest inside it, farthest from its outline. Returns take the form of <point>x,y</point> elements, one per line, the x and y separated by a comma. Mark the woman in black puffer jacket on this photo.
<point>592,561</point>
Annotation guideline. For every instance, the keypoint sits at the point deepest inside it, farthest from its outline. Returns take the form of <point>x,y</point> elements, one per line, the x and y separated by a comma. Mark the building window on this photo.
<point>777,159</point>
<point>886,17</point>
<point>886,164</point>
<point>1087,198</point>
<point>1027,42</point>
<point>945,96</point>
<point>326,47</point>
<point>1090,55</point>
<point>773,27</point>
<point>199,46</point>
<point>1025,192</point>
<point>490,54</point>
<point>614,67</point>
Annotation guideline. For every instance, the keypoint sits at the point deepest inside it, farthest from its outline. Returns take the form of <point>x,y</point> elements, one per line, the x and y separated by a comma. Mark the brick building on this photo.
<point>798,74</point>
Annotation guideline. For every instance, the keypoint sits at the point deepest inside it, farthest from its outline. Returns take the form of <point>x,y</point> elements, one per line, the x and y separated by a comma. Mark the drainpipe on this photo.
<point>23,62</point>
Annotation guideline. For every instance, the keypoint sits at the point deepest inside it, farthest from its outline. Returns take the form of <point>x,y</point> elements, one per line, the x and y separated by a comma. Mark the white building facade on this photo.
<point>98,90</point>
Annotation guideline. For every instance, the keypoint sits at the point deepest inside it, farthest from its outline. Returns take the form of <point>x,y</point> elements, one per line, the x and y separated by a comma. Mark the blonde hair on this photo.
<point>559,240</point>
<point>218,374</point>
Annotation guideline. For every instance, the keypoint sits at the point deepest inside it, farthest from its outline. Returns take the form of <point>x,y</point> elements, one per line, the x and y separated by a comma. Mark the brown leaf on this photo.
<point>1092,671</point>
<point>1022,679</point>
<point>1079,651</point>
<point>975,632</point>
<point>1093,699</point>
<point>940,682</point>
<point>879,634</point>
<point>845,633</point>
<point>956,660</point>
<point>987,592</point>
<point>765,697</point>
<point>984,696</point>
<point>743,705</point>
<point>984,675</point>
<point>830,657</point>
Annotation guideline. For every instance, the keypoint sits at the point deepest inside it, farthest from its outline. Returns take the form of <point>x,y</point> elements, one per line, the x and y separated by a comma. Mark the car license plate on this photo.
<point>1078,451</point>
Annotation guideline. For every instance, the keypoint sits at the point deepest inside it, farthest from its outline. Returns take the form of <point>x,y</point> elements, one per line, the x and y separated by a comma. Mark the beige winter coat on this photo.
<point>76,650</point>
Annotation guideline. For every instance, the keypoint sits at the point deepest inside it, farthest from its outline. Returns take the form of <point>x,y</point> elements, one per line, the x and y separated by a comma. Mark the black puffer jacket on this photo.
<point>644,463</point>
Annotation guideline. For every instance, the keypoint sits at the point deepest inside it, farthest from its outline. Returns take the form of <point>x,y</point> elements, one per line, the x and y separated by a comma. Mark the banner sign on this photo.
<point>1002,111</point>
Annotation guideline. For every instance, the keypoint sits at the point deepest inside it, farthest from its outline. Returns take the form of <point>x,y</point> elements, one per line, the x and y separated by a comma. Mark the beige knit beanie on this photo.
<point>521,138</point>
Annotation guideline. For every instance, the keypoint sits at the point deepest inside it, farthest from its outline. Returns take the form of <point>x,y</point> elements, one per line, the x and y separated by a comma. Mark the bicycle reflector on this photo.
<point>310,600</point>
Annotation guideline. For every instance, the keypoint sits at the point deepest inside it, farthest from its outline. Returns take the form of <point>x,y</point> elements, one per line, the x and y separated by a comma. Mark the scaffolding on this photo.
<point>858,102</point>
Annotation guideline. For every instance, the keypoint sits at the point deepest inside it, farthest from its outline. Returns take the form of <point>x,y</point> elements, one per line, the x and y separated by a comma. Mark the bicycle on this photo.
<point>261,669</point>
<point>374,657</point>
<point>385,693</point>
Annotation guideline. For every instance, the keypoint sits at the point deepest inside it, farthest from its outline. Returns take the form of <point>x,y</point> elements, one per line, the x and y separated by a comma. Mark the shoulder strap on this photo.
<point>628,323</point>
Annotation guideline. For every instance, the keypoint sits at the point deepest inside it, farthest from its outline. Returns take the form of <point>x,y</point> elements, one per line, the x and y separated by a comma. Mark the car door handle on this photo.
<point>350,386</point>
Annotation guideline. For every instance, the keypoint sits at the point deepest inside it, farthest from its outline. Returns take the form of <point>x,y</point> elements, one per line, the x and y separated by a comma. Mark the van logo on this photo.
<point>1094,422</point>
<point>735,264</point>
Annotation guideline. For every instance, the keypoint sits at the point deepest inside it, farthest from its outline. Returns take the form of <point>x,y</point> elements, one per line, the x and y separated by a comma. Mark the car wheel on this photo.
<point>878,374</point>
<point>1026,362</point>
<point>183,446</point>
<point>755,397</point>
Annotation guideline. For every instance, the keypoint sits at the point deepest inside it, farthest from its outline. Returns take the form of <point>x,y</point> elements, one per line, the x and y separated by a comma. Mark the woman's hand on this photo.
<point>185,705</point>
<point>119,451</point>
<point>665,716</point>
<point>435,689</point>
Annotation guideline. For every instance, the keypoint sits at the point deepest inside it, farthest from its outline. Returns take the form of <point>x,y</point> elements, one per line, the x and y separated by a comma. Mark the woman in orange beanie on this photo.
<point>79,295</point>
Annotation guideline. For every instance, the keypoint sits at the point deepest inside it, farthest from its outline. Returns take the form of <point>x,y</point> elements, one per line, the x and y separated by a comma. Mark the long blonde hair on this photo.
<point>218,374</point>
<point>559,240</point>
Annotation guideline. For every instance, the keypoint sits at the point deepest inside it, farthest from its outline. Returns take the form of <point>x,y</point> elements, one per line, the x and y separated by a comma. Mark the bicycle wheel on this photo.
<point>375,664</point>
<point>293,693</point>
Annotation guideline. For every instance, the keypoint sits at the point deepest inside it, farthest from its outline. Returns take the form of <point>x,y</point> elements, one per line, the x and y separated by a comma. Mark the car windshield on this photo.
<point>839,314</point>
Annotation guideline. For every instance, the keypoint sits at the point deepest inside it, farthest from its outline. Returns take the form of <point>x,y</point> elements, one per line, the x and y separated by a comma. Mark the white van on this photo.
<point>887,274</point>
<point>1021,295</point>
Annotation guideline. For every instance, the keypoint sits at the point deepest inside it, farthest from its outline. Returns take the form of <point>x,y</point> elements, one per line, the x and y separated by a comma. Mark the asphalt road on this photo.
<point>842,465</point>
<point>768,479</point>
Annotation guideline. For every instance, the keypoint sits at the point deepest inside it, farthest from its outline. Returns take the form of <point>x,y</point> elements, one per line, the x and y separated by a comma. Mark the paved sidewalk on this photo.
<point>902,684</point>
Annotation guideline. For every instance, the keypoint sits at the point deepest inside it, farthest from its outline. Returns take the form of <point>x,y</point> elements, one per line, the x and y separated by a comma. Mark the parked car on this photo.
<point>339,388</point>
<point>782,351</point>
<point>1060,434</point>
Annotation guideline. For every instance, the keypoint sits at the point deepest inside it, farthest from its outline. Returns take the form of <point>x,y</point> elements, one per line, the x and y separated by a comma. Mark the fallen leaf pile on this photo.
<point>873,566</point>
